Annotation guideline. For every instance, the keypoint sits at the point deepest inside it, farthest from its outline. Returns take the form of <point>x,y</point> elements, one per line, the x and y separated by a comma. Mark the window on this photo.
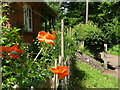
<point>28,17</point>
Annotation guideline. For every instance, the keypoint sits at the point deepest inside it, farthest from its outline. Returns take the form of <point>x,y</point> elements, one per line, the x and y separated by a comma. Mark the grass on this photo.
<point>84,76</point>
<point>114,50</point>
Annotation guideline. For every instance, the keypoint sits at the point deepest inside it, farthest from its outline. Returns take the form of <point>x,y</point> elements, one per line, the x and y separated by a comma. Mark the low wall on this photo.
<point>90,61</point>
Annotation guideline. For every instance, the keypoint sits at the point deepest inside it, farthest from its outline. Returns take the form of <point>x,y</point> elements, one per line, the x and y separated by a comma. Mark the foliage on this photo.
<point>23,71</point>
<point>55,6</point>
<point>75,14</point>
<point>26,72</point>
<point>88,77</point>
<point>98,12</point>
<point>10,36</point>
<point>86,31</point>
<point>111,32</point>
<point>106,15</point>
<point>70,45</point>
<point>91,34</point>
<point>114,50</point>
<point>88,53</point>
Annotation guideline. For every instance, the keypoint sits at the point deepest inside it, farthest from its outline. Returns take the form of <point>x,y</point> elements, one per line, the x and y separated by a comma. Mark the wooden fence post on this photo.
<point>105,50</point>
<point>86,11</point>
<point>62,46</point>
<point>105,56</point>
<point>56,76</point>
<point>16,87</point>
<point>70,32</point>
<point>62,40</point>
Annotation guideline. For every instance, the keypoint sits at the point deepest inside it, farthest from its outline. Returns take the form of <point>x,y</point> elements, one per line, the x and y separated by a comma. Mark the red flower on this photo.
<point>14,48</point>
<point>14,56</point>
<point>53,35</point>
<point>10,49</point>
<point>62,71</point>
<point>2,48</point>
<point>46,37</point>
<point>1,56</point>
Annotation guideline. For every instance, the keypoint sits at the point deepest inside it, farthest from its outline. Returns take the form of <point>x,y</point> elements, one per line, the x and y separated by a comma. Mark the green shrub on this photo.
<point>92,36</point>
<point>23,71</point>
<point>111,32</point>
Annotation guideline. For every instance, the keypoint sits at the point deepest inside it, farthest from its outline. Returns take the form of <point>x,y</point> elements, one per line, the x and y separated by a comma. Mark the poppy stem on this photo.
<point>38,54</point>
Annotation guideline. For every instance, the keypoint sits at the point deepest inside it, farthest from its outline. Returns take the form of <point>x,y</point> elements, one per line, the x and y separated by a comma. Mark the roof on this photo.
<point>49,10</point>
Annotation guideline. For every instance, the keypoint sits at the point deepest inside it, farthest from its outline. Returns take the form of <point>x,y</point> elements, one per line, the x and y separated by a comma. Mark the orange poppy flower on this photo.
<point>65,73</point>
<point>3,48</point>
<point>1,56</point>
<point>13,48</point>
<point>10,49</point>
<point>53,35</point>
<point>14,56</point>
<point>46,37</point>
<point>62,71</point>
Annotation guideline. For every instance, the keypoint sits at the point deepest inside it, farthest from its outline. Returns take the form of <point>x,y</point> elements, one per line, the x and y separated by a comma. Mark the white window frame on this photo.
<point>28,17</point>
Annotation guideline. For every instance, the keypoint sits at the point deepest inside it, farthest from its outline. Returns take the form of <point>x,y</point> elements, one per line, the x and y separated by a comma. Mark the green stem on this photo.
<point>38,55</point>
<point>36,58</point>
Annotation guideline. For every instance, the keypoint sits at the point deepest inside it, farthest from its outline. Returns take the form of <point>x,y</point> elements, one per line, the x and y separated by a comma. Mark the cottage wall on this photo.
<point>16,16</point>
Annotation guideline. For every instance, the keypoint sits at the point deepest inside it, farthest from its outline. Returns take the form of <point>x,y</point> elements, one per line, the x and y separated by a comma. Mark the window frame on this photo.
<point>28,17</point>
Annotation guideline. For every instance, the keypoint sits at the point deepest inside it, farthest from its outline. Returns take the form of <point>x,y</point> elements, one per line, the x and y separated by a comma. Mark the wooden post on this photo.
<point>62,40</point>
<point>15,87</point>
<point>86,11</point>
<point>32,88</point>
<point>55,76</point>
<point>105,50</point>
<point>55,81</point>
<point>105,56</point>
<point>60,60</point>
<point>62,47</point>
<point>70,32</point>
<point>86,21</point>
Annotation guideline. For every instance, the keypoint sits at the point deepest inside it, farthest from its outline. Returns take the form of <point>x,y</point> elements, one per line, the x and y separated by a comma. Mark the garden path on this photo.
<point>114,61</point>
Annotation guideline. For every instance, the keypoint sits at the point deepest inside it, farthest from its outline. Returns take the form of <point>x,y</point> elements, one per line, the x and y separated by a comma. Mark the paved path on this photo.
<point>114,61</point>
<point>113,73</point>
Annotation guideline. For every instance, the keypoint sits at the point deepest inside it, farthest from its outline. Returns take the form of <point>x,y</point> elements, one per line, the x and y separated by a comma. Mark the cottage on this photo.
<point>31,17</point>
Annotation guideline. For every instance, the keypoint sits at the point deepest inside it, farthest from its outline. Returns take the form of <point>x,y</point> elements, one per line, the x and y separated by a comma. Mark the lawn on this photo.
<point>84,76</point>
<point>114,50</point>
